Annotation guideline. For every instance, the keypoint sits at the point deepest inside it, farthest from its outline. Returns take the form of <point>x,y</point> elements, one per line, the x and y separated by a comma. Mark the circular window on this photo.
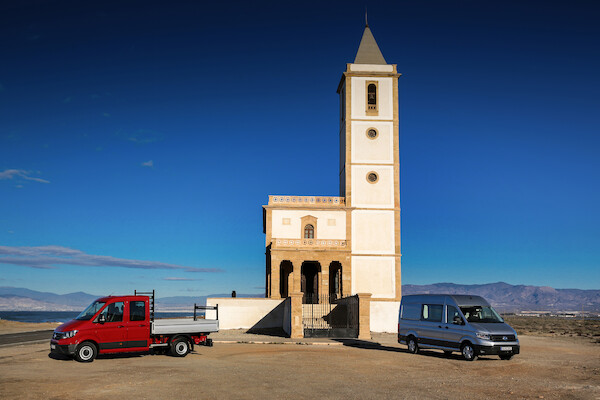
<point>372,133</point>
<point>372,177</point>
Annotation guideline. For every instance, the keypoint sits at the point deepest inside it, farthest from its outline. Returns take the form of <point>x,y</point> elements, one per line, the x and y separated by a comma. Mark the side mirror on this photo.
<point>457,320</point>
<point>101,318</point>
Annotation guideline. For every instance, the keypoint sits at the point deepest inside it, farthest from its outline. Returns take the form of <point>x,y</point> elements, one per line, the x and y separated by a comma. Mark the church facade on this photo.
<point>334,247</point>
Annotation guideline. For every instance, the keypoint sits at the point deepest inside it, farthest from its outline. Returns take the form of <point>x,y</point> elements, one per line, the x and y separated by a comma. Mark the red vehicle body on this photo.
<point>119,324</point>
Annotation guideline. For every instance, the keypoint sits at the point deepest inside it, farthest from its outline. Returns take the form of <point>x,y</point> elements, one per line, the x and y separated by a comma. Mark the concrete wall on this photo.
<point>384,316</point>
<point>246,313</point>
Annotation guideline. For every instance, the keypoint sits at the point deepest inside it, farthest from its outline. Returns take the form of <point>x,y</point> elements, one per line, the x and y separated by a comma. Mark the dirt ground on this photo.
<point>548,367</point>
<point>16,327</point>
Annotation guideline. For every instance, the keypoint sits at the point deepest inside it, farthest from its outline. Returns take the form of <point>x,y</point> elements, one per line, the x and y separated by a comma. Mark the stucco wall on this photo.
<point>385,98</point>
<point>384,316</point>
<point>246,313</point>
<point>330,224</point>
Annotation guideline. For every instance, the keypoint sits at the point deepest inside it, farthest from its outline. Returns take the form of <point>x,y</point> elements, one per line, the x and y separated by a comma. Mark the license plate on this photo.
<point>505,348</point>
<point>52,347</point>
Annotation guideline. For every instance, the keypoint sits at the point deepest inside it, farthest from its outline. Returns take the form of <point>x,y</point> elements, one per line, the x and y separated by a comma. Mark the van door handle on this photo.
<point>446,327</point>
<point>141,325</point>
<point>439,326</point>
<point>120,326</point>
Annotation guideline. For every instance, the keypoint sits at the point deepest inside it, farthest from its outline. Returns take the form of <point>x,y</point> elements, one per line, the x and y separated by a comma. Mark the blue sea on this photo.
<point>64,316</point>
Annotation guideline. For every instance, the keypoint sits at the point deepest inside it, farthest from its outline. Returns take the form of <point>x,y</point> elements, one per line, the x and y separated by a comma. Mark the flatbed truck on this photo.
<point>124,324</point>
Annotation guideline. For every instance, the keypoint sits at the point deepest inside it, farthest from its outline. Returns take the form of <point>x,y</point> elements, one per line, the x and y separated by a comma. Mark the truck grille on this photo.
<point>502,338</point>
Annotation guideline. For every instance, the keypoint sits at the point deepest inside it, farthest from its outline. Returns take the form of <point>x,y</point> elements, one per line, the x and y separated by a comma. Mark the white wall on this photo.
<point>379,150</point>
<point>384,316</point>
<point>373,232</point>
<point>372,195</point>
<point>375,275</point>
<point>245,313</point>
<point>294,231</point>
<point>384,99</point>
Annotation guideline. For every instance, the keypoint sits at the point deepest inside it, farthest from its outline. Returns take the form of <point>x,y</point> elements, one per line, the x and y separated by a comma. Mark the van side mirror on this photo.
<point>101,318</point>
<point>457,320</point>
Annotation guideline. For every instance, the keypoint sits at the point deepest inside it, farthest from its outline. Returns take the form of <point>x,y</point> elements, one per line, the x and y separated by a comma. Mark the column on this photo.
<point>297,330</point>
<point>364,316</point>
<point>275,272</point>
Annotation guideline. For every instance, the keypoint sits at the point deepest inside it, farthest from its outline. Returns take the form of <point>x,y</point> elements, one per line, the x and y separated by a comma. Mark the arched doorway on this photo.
<point>335,281</point>
<point>285,270</point>
<point>309,283</point>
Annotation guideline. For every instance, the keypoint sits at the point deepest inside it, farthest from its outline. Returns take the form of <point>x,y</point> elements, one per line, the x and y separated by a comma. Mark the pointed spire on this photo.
<point>368,51</point>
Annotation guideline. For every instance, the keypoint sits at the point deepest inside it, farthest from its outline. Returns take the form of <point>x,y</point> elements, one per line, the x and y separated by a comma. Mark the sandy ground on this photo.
<point>16,327</point>
<point>548,367</point>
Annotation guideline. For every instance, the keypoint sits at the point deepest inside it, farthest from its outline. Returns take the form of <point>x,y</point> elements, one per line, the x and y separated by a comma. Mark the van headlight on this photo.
<point>484,336</point>
<point>69,334</point>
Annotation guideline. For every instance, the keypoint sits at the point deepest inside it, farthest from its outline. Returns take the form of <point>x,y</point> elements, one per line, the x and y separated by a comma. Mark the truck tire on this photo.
<point>468,352</point>
<point>180,347</point>
<point>86,352</point>
<point>209,342</point>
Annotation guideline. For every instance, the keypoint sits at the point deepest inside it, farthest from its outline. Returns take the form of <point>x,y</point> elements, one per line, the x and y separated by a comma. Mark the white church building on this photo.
<point>335,247</point>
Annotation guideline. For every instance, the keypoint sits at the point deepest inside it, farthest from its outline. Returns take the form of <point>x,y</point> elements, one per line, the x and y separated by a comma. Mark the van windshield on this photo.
<point>89,312</point>
<point>481,314</point>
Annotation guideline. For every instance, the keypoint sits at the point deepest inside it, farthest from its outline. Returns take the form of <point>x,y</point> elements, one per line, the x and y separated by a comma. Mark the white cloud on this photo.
<point>171,278</point>
<point>20,173</point>
<point>48,257</point>
<point>148,164</point>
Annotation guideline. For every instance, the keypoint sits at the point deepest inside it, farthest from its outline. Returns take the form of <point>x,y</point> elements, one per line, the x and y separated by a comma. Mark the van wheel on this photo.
<point>412,345</point>
<point>180,347</point>
<point>505,356</point>
<point>468,352</point>
<point>86,352</point>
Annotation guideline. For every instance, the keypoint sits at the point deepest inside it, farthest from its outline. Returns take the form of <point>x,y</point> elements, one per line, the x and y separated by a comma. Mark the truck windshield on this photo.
<point>481,314</point>
<point>89,312</point>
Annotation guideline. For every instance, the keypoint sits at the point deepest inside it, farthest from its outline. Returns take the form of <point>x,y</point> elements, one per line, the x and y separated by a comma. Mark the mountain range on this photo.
<point>503,296</point>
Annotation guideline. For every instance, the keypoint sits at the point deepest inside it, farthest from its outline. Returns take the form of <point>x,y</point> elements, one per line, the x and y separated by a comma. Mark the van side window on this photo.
<point>452,314</point>
<point>113,312</point>
<point>137,310</point>
<point>432,312</point>
<point>411,311</point>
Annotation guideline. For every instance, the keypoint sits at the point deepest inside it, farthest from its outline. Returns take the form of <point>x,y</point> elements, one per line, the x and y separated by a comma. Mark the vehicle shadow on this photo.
<point>62,357</point>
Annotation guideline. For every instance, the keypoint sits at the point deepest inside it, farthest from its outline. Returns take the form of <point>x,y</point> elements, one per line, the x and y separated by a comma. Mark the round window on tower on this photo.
<point>372,177</point>
<point>372,133</point>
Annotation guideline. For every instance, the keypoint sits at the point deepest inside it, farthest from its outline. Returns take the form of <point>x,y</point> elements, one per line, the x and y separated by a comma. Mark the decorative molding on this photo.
<point>310,201</point>
<point>309,243</point>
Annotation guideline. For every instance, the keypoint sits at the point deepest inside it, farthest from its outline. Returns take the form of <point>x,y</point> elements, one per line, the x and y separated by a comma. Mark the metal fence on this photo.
<point>325,316</point>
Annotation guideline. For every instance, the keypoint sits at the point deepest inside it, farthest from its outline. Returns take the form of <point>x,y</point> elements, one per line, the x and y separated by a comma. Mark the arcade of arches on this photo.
<point>312,276</point>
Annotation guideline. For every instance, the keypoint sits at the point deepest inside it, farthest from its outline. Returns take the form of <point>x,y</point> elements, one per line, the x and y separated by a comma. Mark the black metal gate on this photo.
<point>325,316</point>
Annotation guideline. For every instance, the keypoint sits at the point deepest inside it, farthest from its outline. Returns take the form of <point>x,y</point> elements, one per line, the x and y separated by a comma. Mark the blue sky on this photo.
<point>139,139</point>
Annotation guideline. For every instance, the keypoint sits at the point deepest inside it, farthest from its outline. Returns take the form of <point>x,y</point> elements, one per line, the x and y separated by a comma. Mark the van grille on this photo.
<point>500,338</point>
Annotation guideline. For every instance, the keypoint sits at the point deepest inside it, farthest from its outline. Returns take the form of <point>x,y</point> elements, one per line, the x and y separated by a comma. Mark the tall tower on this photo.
<point>370,175</point>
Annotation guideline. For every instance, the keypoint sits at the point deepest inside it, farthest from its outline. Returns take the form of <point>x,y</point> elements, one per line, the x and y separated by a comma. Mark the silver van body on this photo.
<point>463,323</point>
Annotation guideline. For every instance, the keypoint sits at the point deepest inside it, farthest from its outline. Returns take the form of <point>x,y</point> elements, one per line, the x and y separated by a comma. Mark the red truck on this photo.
<point>123,324</point>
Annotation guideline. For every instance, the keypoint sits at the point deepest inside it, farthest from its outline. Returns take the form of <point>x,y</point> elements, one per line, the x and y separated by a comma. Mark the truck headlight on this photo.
<point>69,334</point>
<point>484,336</point>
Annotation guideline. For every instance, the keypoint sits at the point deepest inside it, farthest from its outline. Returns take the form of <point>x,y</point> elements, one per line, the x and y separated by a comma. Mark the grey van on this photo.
<point>462,323</point>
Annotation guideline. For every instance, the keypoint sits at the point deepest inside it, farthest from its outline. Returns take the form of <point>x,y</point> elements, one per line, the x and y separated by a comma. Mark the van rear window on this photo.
<point>432,312</point>
<point>411,311</point>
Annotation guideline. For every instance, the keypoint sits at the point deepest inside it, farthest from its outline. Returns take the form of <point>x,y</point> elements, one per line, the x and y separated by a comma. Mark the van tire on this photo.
<point>468,352</point>
<point>180,347</point>
<point>86,352</point>
<point>413,347</point>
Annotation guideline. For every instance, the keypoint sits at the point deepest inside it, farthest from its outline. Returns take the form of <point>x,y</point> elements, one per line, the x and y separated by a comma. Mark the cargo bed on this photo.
<point>184,325</point>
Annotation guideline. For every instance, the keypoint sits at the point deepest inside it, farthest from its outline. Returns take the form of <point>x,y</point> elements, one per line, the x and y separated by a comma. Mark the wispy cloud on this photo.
<point>20,173</point>
<point>140,136</point>
<point>172,278</point>
<point>49,257</point>
<point>149,164</point>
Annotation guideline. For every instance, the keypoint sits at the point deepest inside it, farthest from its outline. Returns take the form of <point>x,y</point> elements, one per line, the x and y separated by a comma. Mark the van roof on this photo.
<point>462,300</point>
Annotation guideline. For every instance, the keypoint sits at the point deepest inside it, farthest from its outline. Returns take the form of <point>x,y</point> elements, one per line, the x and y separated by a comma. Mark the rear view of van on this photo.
<point>455,323</point>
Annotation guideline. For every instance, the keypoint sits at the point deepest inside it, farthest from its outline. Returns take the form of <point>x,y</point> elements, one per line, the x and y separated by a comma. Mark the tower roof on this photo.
<point>368,51</point>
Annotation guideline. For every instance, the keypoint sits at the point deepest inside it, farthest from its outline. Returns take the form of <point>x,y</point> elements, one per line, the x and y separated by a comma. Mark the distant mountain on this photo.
<point>502,296</point>
<point>506,297</point>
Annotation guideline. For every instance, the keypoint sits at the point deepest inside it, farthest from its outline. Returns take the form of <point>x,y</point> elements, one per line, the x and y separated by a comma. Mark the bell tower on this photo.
<point>370,173</point>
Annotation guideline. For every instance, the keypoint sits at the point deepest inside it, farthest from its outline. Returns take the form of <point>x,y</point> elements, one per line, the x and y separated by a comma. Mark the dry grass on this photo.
<point>553,326</point>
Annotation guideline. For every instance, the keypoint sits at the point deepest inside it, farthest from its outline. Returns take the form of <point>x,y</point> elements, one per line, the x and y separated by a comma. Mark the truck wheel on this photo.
<point>209,342</point>
<point>505,356</point>
<point>412,345</point>
<point>86,352</point>
<point>180,347</point>
<point>468,352</point>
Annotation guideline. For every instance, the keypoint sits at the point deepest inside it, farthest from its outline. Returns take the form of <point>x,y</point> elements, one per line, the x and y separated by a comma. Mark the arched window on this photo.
<point>309,232</point>
<point>372,98</point>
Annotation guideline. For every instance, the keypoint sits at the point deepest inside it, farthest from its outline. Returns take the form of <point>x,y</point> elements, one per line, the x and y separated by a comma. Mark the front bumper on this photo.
<point>497,349</point>
<point>63,349</point>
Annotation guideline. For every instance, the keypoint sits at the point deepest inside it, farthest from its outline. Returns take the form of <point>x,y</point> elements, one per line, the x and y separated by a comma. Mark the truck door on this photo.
<point>112,332</point>
<point>138,326</point>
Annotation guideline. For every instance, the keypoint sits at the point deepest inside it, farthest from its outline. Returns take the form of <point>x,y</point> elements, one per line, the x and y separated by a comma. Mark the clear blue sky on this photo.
<point>139,139</point>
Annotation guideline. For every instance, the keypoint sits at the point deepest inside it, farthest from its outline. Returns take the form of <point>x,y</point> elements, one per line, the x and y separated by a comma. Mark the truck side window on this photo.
<point>137,310</point>
<point>432,312</point>
<point>452,315</point>
<point>113,312</point>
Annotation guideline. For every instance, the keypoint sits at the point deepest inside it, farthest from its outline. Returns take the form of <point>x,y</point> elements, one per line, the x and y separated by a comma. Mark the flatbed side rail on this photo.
<point>151,295</point>
<point>204,308</point>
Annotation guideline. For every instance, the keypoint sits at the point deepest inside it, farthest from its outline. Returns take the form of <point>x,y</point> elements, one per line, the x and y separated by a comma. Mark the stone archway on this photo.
<point>335,281</point>
<point>285,271</point>
<point>309,281</point>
